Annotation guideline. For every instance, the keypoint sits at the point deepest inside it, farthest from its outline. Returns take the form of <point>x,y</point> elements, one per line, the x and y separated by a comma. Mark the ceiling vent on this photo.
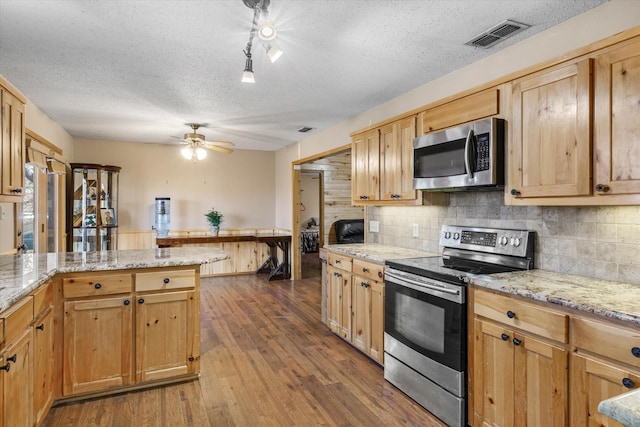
<point>497,33</point>
<point>304,129</point>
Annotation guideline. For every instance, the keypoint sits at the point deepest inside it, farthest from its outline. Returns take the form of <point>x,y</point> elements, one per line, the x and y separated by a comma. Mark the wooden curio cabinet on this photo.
<point>94,207</point>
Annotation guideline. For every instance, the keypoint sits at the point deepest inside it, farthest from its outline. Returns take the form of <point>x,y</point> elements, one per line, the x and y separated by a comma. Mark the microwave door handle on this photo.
<point>468,151</point>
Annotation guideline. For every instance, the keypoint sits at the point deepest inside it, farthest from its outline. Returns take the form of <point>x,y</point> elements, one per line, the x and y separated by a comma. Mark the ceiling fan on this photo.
<point>197,146</point>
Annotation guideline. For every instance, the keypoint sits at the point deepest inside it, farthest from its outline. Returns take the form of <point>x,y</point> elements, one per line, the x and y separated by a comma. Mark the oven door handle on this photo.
<point>468,150</point>
<point>419,286</point>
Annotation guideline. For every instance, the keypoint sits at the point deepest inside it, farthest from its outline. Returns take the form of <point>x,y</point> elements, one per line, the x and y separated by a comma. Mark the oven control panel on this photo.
<point>493,240</point>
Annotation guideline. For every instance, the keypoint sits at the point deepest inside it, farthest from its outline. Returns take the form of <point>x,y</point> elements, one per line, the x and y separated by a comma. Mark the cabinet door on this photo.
<point>97,345</point>
<point>494,375</point>
<point>396,142</point>
<point>339,307</point>
<point>550,150</point>
<point>365,149</point>
<point>541,381</point>
<point>43,366</point>
<point>12,138</point>
<point>18,381</point>
<point>617,121</point>
<point>376,345</point>
<point>593,381</point>
<point>361,313</point>
<point>165,345</point>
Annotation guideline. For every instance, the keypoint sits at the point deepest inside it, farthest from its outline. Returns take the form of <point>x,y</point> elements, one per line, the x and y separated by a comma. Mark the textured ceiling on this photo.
<point>139,70</point>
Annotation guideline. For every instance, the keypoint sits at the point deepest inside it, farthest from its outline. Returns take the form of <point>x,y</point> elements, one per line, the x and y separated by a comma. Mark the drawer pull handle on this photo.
<point>364,269</point>
<point>504,337</point>
<point>337,261</point>
<point>141,301</point>
<point>635,351</point>
<point>41,327</point>
<point>6,367</point>
<point>516,341</point>
<point>166,280</point>
<point>127,302</point>
<point>98,286</point>
<point>515,192</point>
<point>628,383</point>
<point>13,358</point>
<point>364,284</point>
<point>511,314</point>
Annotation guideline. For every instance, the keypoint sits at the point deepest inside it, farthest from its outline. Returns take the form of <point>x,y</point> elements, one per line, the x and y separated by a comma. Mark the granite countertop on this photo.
<point>624,408</point>
<point>22,274</point>
<point>377,252</point>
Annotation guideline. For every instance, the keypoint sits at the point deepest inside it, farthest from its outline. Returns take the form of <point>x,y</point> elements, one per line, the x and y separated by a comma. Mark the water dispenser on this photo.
<point>163,216</point>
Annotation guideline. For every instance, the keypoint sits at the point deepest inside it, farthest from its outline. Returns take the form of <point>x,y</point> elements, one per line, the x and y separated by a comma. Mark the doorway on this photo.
<point>312,222</point>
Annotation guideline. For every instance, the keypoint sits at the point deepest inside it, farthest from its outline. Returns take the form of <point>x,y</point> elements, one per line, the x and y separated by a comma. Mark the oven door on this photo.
<point>431,325</point>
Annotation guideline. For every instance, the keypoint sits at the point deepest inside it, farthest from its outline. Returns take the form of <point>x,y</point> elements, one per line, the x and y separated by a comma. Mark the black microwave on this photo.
<point>465,157</point>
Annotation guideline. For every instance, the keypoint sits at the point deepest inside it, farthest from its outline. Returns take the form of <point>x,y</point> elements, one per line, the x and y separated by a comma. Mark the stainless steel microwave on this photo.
<point>465,157</point>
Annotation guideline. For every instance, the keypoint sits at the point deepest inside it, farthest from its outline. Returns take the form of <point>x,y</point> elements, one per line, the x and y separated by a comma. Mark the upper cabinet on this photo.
<point>12,139</point>
<point>550,146</point>
<point>617,121</point>
<point>382,168</point>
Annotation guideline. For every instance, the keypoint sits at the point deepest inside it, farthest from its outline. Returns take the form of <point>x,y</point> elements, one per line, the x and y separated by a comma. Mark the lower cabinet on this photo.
<point>17,381</point>
<point>43,370</point>
<point>355,303</point>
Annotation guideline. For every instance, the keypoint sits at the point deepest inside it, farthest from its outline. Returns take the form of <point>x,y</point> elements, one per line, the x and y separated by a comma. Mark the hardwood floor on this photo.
<point>267,360</point>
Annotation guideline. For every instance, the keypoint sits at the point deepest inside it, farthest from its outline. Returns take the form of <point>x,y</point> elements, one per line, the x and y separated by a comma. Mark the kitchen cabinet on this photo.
<point>12,143</point>
<point>43,345</point>
<point>382,165</point>
<point>617,120</point>
<point>16,365</point>
<point>551,128</point>
<point>355,303</point>
<point>606,363</point>
<point>520,363</point>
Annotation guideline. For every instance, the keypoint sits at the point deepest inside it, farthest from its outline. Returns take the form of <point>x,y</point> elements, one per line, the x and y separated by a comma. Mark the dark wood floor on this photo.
<point>267,360</point>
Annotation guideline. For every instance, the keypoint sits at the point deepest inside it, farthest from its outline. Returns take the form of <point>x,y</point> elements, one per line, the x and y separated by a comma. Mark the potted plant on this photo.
<point>215,218</point>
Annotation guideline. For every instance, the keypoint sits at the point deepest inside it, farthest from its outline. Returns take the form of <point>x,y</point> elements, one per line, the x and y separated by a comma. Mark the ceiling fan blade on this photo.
<point>220,149</point>
<point>220,143</point>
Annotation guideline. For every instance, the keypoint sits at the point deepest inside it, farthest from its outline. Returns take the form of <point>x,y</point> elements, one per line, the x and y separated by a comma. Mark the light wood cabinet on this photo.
<point>43,346</point>
<point>12,143</point>
<point>355,303</point>
<point>382,165</point>
<point>617,120</point>
<point>520,379</point>
<point>17,381</point>
<point>550,145</point>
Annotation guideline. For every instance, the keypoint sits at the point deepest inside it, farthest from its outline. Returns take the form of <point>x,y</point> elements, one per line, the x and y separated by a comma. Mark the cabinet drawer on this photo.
<point>90,286</point>
<point>368,269</point>
<point>519,314</point>
<point>340,261</point>
<point>160,280</point>
<point>17,319</point>
<point>42,299</point>
<point>607,340</point>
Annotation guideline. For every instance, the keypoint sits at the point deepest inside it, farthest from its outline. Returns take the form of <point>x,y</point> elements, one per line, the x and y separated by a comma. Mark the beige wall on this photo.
<point>309,197</point>
<point>596,24</point>
<point>38,122</point>
<point>241,185</point>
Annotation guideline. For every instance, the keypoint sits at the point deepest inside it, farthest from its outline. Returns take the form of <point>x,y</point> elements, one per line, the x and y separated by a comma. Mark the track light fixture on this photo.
<point>266,32</point>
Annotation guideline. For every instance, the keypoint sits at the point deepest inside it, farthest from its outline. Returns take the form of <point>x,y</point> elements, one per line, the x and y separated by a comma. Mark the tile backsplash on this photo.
<point>600,242</point>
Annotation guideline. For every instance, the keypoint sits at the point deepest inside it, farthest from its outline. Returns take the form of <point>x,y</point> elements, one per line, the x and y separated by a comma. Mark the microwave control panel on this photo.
<point>482,152</point>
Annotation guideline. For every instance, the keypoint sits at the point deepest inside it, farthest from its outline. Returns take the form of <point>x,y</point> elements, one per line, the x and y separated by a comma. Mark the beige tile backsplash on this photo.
<point>600,242</point>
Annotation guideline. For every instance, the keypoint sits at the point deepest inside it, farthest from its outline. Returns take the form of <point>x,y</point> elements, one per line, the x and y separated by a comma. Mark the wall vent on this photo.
<point>497,33</point>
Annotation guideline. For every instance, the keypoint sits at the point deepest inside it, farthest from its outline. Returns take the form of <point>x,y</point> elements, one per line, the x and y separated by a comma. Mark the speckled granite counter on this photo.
<point>377,252</point>
<point>21,274</point>
<point>624,408</point>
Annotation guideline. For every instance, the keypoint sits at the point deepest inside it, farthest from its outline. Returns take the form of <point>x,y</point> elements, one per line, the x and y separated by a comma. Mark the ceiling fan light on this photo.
<point>274,54</point>
<point>201,153</point>
<point>247,75</point>
<point>267,31</point>
<point>187,153</point>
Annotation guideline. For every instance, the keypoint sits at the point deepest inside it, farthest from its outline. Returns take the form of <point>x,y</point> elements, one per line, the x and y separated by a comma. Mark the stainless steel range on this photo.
<point>426,315</point>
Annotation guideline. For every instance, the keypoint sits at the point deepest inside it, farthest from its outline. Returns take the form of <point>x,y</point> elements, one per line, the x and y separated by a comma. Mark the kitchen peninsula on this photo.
<point>77,325</point>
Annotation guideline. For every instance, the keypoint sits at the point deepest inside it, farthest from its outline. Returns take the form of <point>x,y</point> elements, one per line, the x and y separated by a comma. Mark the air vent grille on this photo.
<point>304,129</point>
<point>497,33</point>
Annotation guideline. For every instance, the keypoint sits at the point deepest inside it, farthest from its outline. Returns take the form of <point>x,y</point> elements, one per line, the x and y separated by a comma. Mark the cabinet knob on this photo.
<point>635,351</point>
<point>337,261</point>
<point>511,314</point>
<point>13,358</point>
<point>628,383</point>
<point>22,247</point>
<point>515,192</point>
<point>364,197</point>
<point>6,367</point>
<point>516,341</point>
<point>98,285</point>
<point>41,327</point>
<point>601,188</point>
<point>504,337</point>
<point>166,280</point>
<point>141,301</point>
<point>380,274</point>
<point>364,269</point>
<point>364,284</point>
<point>127,302</point>
<point>16,190</point>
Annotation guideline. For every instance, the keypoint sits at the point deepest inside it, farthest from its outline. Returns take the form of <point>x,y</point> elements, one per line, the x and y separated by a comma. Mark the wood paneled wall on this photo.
<point>337,191</point>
